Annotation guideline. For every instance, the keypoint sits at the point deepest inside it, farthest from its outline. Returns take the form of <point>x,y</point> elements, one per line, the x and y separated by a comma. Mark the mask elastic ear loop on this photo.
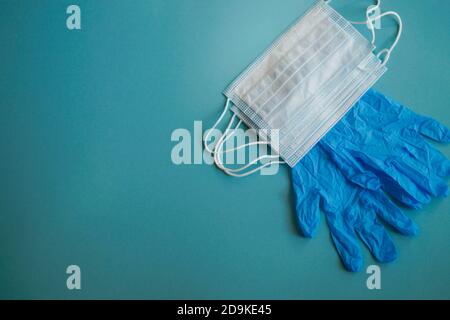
<point>218,148</point>
<point>225,136</point>
<point>387,52</point>
<point>370,21</point>
<point>205,143</point>
<point>213,151</point>
<point>235,172</point>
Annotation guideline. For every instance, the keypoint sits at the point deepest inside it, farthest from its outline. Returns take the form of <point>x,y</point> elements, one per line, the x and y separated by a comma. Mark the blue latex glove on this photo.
<point>377,146</point>
<point>380,144</point>
<point>350,210</point>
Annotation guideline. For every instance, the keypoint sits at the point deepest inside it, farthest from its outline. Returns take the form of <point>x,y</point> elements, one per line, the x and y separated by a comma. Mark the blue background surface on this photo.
<point>86,172</point>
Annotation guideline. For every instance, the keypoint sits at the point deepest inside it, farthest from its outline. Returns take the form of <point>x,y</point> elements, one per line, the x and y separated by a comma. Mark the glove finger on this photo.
<point>308,214</point>
<point>307,199</point>
<point>411,157</point>
<point>395,182</point>
<point>375,237</point>
<point>440,163</point>
<point>391,115</point>
<point>422,151</point>
<point>408,167</point>
<point>369,172</point>
<point>345,241</point>
<point>350,168</point>
<point>422,177</point>
<point>432,129</point>
<point>379,203</point>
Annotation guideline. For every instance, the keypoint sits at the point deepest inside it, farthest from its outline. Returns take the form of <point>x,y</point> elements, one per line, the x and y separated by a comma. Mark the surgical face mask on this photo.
<point>303,84</point>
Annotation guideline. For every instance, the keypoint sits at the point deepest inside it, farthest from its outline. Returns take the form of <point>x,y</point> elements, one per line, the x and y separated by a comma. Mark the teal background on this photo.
<point>86,173</point>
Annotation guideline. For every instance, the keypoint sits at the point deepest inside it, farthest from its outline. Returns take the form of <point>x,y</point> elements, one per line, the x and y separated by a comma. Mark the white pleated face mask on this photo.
<point>304,84</point>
